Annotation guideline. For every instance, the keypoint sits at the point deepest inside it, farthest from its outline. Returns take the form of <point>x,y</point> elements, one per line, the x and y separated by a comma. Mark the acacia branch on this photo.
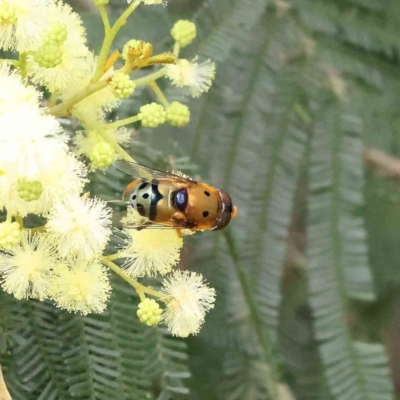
<point>386,165</point>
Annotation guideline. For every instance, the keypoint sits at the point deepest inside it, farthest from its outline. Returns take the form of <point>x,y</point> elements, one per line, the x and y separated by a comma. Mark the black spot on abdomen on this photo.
<point>143,185</point>
<point>207,193</point>
<point>205,214</point>
<point>146,196</point>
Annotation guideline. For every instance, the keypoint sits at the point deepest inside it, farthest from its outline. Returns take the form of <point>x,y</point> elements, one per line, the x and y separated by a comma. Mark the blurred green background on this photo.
<point>308,276</point>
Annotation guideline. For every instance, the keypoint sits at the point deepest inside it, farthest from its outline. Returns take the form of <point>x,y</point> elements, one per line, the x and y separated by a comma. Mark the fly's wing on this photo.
<point>158,225</point>
<point>148,174</point>
<point>130,219</point>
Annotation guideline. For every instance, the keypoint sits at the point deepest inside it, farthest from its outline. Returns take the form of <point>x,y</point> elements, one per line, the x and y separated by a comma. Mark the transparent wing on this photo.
<point>131,220</point>
<point>146,173</point>
<point>157,225</point>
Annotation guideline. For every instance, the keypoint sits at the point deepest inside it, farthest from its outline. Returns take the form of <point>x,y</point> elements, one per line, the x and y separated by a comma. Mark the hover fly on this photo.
<point>168,200</point>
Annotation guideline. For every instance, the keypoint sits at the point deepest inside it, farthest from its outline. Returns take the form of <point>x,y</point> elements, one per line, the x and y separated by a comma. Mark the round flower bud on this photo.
<point>149,312</point>
<point>127,46</point>
<point>178,114</point>
<point>100,2</point>
<point>29,190</point>
<point>57,34</point>
<point>49,55</point>
<point>102,155</point>
<point>152,115</point>
<point>10,235</point>
<point>184,32</point>
<point>121,85</point>
<point>8,14</point>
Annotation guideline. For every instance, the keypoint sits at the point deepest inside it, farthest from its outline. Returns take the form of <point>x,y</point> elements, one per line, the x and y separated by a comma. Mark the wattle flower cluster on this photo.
<point>44,169</point>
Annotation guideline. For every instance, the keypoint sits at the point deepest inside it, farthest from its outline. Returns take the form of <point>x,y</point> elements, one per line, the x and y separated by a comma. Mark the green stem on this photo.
<point>160,95</point>
<point>138,286</point>
<point>273,379</point>
<point>109,38</point>
<point>9,217</point>
<point>150,77</point>
<point>64,108</point>
<point>22,64</point>
<point>176,50</point>
<point>122,122</point>
<point>112,257</point>
<point>20,221</point>
<point>105,19</point>
<point>52,100</point>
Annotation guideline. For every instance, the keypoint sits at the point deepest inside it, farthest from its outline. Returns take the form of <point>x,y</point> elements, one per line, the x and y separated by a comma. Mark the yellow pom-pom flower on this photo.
<point>10,235</point>
<point>188,299</point>
<point>22,22</point>
<point>149,252</point>
<point>30,142</point>
<point>178,114</point>
<point>184,32</point>
<point>80,227</point>
<point>26,270</point>
<point>149,312</point>
<point>14,93</point>
<point>152,115</point>
<point>197,77</point>
<point>82,286</point>
<point>66,178</point>
<point>66,38</point>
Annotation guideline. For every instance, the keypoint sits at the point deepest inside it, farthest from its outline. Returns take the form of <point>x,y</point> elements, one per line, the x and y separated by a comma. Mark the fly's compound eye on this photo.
<point>180,199</point>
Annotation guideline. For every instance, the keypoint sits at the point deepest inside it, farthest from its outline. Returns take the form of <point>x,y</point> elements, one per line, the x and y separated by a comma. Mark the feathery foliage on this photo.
<point>304,272</point>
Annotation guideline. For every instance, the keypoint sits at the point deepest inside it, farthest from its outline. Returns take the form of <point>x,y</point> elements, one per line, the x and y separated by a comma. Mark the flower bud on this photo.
<point>10,235</point>
<point>152,115</point>
<point>149,312</point>
<point>29,190</point>
<point>121,85</point>
<point>184,32</point>
<point>178,114</point>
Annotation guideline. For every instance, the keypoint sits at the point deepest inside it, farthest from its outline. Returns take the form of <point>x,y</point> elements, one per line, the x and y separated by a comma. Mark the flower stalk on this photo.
<point>64,109</point>
<point>104,17</point>
<point>158,92</point>
<point>135,284</point>
<point>109,38</point>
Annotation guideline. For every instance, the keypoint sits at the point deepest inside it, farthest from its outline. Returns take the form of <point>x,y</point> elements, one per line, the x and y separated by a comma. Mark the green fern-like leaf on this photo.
<point>338,256</point>
<point>220,23</point>
<point>112,355</point>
